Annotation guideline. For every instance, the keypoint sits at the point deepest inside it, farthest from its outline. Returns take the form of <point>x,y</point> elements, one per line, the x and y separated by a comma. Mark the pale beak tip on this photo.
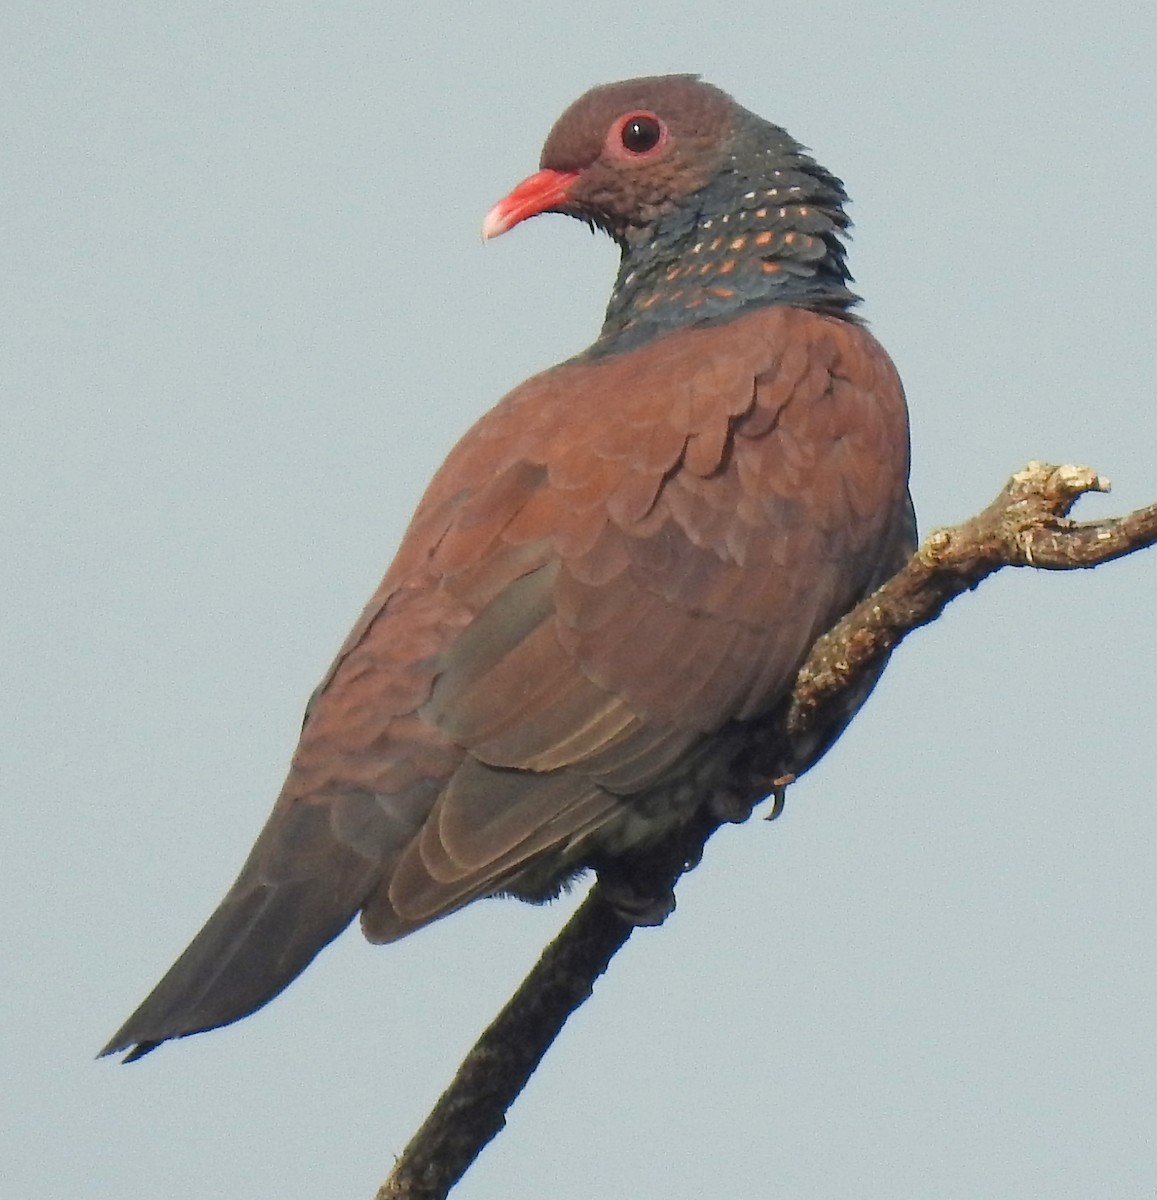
<point>495,223</point>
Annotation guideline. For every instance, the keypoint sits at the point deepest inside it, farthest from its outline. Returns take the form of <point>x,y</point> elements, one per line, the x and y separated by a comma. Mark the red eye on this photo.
<point>641,132</point>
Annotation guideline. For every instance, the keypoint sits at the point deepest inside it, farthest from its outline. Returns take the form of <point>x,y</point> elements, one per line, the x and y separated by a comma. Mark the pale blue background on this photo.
<point>245,312</point>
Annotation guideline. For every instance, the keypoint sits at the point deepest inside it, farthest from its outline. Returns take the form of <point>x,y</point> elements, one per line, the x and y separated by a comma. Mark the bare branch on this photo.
<point>472,1110</point>
<point>1027,525</point>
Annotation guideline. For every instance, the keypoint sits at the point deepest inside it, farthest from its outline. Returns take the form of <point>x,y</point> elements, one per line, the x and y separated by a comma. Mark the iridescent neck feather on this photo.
<point>765,230</point>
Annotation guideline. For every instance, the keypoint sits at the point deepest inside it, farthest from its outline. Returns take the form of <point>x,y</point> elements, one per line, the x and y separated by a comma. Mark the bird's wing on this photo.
<point>623,556</point>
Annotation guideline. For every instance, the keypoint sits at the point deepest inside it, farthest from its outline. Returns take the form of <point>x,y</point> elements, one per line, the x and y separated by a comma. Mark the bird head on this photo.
<point>624,154</point>
<point>714,208</point>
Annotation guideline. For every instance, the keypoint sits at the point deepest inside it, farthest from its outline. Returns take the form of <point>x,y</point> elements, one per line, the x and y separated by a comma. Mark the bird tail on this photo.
<point>263,935</point>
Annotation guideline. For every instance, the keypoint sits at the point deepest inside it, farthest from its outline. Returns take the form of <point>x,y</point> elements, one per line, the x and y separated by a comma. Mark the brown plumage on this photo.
<point>617,567</point>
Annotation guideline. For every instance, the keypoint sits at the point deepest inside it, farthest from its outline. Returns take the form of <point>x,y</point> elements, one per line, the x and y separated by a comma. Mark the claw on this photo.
<point>778,795</point>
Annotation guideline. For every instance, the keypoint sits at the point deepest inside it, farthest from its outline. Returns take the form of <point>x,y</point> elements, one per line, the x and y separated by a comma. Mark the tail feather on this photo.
<point>256,943</point>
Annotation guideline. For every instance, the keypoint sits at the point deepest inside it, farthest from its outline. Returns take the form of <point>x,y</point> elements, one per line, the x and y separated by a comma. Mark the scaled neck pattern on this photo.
<point>765,230</point>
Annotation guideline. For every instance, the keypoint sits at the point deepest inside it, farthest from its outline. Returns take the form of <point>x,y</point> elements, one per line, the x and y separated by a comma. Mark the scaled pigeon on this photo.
<point>615,574</point>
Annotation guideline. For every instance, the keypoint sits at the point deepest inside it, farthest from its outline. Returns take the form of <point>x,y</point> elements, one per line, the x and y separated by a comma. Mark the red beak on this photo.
<point>540,193</point>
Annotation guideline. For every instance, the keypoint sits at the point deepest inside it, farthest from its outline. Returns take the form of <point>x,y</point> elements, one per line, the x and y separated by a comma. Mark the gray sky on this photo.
<point>245,312</point>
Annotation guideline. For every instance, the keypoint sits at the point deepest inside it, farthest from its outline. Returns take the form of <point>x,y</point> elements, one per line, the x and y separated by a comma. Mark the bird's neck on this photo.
<point>766,230</point>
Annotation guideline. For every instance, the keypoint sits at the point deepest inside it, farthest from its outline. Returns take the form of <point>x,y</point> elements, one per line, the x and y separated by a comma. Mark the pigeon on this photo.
<point>611,581</point>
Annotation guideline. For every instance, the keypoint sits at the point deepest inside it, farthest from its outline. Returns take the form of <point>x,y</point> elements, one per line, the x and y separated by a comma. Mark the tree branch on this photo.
<point>1027,525</point>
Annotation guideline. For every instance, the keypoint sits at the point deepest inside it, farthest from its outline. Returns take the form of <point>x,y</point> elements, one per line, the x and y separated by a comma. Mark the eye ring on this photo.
<point>639,134</point>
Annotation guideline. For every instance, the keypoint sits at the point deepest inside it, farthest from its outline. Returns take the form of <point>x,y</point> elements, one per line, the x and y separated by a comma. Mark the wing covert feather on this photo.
<point>621,558</point>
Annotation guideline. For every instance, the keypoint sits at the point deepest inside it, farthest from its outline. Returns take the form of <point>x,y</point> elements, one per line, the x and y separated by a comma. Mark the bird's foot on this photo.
<point>633,904</point>
<point>728,807</point>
